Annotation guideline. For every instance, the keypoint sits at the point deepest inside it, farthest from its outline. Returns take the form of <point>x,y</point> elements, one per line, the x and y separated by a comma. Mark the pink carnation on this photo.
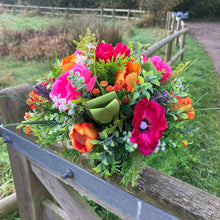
<point>161,66</point>
<point>121,49</point>
<point>62,88</point>
<point>104,52</point>
<point>149,124</point>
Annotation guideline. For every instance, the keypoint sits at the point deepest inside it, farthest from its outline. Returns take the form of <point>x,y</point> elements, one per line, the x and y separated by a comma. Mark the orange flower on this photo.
<point>186,104</point>
<point>117,87</point>
<point>28,129</point>
<point>184,143</point>
<point>104,83</point>
<point>69,62</point>
<point>130,88</point>
<point>27,115</point>
<point>110,88</point>
<point>81,134</point>
<point>129,75</point>
<point>126,100</point>
<point>95,91</point>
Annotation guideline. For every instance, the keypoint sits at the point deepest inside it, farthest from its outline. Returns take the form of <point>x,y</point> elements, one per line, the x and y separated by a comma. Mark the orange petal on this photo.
<point>133,67</point>
<point>131,79</point>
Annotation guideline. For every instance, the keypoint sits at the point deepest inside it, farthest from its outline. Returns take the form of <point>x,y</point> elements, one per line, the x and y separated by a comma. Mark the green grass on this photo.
<point>13,71</point>
<point>20,23</point>
<point>6,180</point>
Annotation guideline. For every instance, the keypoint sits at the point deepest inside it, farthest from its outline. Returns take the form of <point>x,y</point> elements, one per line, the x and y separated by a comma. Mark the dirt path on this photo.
<point>208,34</point>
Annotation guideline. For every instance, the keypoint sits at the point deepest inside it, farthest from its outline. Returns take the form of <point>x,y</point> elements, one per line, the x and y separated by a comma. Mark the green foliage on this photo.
<point>202,10</point>
<point>86,42</point>
<point>107,71</point>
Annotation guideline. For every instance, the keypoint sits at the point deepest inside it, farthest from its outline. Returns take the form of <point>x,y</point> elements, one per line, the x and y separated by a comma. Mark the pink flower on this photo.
<point>104,52</point>
<point>149,124</point>
<point>121,49</point>
<point>62,88</point>
<point>161,66</point>
<point>144,58</point>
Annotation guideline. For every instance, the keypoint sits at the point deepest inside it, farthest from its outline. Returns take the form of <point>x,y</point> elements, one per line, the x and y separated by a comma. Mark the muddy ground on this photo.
<point>208,34</point>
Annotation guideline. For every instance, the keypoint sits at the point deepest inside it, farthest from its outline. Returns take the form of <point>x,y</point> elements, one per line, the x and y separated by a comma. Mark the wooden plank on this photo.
<point>52,211</point>
<point>8,205</point>
<point>70,200</point>
<point>174,58</point>
<point>85,193</point>
<point>30,192</point>
<point>168,52</point>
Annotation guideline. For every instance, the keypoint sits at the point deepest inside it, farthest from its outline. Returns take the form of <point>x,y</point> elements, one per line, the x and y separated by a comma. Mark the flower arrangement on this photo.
<point>111,106</point>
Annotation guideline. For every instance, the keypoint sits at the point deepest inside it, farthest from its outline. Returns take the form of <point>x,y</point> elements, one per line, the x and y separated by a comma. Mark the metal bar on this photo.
<point>110,194</point>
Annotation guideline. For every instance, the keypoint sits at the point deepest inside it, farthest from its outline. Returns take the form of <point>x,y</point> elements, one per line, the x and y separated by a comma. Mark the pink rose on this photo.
<point>161,66</point>
<point>149,124</point>
<point>104,52</point>
<point>62,88</point>
<point>121,49</point>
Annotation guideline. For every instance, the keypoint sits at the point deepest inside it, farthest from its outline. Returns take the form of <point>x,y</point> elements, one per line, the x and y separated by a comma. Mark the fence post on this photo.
<point>67,12</point>
<point>128,14</point>
<point>168,48</point>
<point>182,40</point>
<point>172,22</point>
<point>113,13</point>
<point>168,22</point>
<point>30,192</point>
<point>177,29</point>
<point>25,8</point>
<point>13,10</point>
<point>52,11</point>
<point>102,12</point>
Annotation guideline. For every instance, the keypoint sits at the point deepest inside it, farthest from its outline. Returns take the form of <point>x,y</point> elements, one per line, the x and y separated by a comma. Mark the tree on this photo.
<point>203,9</point>
<point>158,8</point>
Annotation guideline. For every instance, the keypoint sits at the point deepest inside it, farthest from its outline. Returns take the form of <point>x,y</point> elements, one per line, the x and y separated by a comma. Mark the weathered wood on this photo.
<point>174,58</point>
<point>12,110</point>
<point>30,192</point>
<point>169,48</point>
<point>182,41</point>
<point>52,211</point>
<point>70,200</point>
<point>84,191</point>
<point>151,50</point>
<point>8,205</point>
<point>178,26</point>
<point>186,201</point>
<point>64,11</point>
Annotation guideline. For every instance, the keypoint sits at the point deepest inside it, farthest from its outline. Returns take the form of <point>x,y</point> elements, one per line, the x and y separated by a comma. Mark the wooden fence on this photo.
<point>48,186</point>
<point>113,13</point>
<point>177,30</point>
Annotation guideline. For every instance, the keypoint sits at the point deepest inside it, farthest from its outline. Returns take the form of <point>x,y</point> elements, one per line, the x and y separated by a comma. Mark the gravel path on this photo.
<point>208,34</point>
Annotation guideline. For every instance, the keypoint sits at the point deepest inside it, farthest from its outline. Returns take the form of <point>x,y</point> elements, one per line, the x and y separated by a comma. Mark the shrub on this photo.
<point>31,44</point>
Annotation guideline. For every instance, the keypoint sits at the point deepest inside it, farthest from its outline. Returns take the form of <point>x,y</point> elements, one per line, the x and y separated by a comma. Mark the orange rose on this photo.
<point>129,75</point>
<point>81,134</point>
<point>69,62</point>
<point>186,104</point>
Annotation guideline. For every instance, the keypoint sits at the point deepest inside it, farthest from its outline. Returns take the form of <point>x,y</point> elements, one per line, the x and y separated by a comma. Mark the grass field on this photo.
<point>203,172</point>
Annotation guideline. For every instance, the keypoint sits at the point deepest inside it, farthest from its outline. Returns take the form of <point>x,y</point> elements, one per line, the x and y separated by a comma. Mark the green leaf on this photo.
<point>155,82</point>
<point>94,141</point>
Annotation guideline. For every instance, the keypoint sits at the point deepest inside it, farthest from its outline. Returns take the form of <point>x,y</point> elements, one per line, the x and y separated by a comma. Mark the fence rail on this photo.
<point>102,12</point>
<point>177,30</point>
